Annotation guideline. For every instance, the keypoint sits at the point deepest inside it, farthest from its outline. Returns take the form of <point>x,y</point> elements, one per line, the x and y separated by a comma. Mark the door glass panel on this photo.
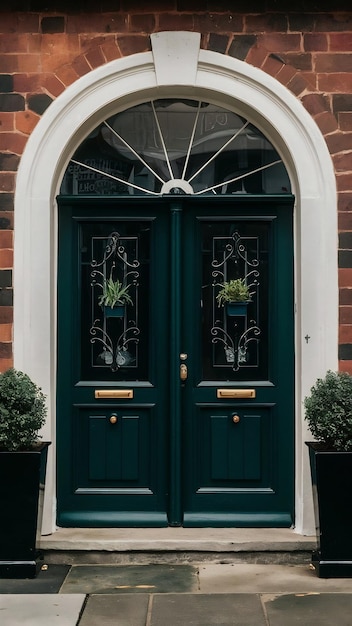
<point>235,338</point>
<point>115,340</point>
<point>175,146</point>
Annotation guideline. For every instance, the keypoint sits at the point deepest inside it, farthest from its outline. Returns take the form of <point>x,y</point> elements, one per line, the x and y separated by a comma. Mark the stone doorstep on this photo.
<point>73,545</point>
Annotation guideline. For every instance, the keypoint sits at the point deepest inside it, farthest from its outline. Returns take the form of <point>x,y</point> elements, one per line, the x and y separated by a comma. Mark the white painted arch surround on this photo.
<point>177,67</point>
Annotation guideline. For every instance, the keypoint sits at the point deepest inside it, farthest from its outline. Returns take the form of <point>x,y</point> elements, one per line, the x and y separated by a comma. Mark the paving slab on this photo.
<point>48,580</point>
<point>116,610</point>
<point>248,578</point>
<point>207,610</point>
<point>131,579</point>
<point>323,609</point>
<point>40,609</point>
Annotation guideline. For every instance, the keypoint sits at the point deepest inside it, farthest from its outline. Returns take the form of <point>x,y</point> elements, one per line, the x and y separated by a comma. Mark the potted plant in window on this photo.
<point>114,298</point>
<point>235,295</point>
<point>22,473</point>
<point>329,416</point>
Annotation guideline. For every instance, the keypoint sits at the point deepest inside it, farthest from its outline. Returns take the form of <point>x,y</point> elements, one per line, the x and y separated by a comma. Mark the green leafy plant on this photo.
<point>114,293</point>
<point>234,290</point>
<point>329,410</point>
<point>22,411</point>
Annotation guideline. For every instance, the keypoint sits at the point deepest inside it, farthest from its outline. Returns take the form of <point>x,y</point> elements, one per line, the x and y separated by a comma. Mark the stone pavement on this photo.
<point>207,594</point>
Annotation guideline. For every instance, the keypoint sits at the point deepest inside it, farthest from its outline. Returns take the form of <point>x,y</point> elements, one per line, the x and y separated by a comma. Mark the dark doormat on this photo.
<point>49,580</point>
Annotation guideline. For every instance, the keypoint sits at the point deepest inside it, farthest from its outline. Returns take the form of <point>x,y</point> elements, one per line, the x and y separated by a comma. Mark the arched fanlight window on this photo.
<point>175,146</point>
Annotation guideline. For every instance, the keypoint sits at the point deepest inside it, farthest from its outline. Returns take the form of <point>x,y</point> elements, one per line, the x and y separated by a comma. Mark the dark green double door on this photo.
<point>177,411</point>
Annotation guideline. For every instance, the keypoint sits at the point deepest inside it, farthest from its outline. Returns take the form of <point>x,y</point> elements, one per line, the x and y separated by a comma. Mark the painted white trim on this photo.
<point>170,53</point>
<point>230,83</point>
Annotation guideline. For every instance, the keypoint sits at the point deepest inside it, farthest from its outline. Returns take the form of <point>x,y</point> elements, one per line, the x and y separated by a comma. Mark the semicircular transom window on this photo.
<point>175,146</point>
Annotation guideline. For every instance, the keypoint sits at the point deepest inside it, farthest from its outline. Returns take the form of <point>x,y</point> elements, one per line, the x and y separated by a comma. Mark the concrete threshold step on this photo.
<point>162,545</point>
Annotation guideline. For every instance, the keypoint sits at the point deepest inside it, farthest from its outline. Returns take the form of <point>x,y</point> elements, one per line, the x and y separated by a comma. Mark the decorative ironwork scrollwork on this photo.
<point>110,249</point>
<point>119,334</point>
<point>234,257</point>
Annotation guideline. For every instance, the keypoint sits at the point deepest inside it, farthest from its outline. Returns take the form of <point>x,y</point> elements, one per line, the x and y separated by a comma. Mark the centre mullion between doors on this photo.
<point>175,509</point>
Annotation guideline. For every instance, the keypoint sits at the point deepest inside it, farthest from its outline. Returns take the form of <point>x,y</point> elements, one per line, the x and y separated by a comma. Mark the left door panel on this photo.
<point>112,451</point>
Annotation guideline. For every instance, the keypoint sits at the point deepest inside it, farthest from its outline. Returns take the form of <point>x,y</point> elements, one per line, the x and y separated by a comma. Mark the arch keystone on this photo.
<point>175,54</point>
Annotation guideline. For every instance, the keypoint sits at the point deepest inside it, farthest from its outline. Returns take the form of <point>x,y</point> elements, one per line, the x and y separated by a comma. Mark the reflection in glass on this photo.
<point>175,146</point>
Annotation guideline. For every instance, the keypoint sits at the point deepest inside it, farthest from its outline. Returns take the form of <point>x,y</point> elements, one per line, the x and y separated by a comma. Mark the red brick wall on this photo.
<point>41,53</point>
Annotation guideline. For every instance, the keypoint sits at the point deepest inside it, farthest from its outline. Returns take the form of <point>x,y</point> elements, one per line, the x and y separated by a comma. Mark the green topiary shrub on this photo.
<point>22,411</point>
<point>329,411</point>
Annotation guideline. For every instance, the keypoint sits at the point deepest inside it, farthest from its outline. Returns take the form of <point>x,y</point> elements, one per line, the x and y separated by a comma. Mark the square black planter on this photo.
<point>22,481</point>
<point>332,488</point>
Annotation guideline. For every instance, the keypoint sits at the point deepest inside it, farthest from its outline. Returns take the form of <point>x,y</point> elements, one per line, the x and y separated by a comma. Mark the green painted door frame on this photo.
<point>177,454</point>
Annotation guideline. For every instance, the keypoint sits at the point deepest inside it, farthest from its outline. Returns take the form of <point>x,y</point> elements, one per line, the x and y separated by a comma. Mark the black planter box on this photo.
<point>332,495</point>
<point>22,481</point>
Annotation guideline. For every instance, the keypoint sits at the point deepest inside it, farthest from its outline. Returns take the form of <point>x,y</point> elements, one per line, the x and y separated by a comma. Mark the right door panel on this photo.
<point>239,451</point>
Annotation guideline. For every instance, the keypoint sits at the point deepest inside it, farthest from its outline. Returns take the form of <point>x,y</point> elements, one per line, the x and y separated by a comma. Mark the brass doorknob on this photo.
<point>113,419</point>
<point>235,419</point>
